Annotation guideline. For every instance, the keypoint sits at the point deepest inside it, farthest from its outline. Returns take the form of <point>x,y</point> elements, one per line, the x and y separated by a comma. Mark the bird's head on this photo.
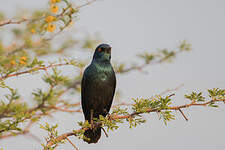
<point>102,53</point>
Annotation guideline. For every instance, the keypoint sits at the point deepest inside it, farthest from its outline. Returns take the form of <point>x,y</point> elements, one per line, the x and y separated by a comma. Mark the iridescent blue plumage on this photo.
<point>97,89</point>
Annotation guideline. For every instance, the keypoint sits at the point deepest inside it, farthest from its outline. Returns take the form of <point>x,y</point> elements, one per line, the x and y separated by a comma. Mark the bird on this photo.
<point>97,90</point>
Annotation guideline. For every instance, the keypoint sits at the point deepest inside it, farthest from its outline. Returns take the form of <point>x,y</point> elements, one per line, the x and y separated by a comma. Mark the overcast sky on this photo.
<point>133,26</point>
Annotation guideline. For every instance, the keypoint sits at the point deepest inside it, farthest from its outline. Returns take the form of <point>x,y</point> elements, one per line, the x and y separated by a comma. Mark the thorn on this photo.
<point>171,95</point>
<point>183,114</point>
<point>105,132</point>
<point>72,143</point>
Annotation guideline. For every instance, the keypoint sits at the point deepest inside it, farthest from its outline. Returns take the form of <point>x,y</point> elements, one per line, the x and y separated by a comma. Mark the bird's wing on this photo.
<point>84,95</point>
<point>113,91</point>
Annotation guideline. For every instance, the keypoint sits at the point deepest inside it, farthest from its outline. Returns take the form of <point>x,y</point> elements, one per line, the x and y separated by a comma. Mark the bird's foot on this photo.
<point>92,124</point>
<point>109,116</point>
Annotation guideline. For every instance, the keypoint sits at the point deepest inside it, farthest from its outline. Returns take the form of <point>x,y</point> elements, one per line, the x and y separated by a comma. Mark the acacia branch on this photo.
<point>10,21</point>
<point>145,64</point>
<point>26,130</point>
<point>172,89</point>
<point>31,70</point>
<point>114,117</point>
<point>169,108</point>
<point>60,138</point>
<point>86,4</point>
<point>62,109</point>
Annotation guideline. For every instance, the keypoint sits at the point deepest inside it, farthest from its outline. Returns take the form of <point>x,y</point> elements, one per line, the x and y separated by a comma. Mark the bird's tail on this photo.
<point>92,135</point>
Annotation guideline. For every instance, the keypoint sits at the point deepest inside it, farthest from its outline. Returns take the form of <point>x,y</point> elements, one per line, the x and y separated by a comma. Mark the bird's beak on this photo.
<point>108,50</point>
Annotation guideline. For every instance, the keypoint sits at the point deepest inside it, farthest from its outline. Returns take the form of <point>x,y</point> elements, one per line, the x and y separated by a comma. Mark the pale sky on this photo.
<point>133,26</point>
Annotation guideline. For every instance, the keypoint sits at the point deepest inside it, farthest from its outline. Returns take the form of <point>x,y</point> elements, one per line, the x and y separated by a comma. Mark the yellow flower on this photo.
<point>13,62</point>
<point>54,9</point>
<point>52,1</point>
<point>23,58</point>
<point>49,19</point>
<point>51,27</point>
<point>70,24</point>
<point>22,62</point>
<point>32,30</point>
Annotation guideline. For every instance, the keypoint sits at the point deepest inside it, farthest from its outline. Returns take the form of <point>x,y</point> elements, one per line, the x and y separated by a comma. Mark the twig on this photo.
<point>183,114</point>
<point>2,23</point>
<point>71,143</point>
<point>62,109</point>
<point>26,130</point>
<point>31,70</point>
<point>86,4</point>
<point>145,64</point>
<point>60,138</point>
<point>170,90</point>
<point>13,134</point>
<point>105,132</point>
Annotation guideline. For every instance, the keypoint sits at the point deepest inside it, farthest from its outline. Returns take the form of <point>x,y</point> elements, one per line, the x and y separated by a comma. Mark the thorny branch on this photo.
<point>171,108</point>
<point>61,137</point>
<point>32,70</point>
<point>10,21</point>
<point>61,15</point>
<point>62,108</point>
<point>114,117</point>
<point>2,23</point>
<point>145,64</point>
<point>24,132</point>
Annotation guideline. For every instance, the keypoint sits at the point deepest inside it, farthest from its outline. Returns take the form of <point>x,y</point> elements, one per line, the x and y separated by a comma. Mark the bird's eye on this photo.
<point>100,50</point>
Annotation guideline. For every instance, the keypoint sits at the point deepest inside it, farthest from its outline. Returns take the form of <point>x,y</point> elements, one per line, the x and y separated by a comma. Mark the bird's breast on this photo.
<point>103,77</point>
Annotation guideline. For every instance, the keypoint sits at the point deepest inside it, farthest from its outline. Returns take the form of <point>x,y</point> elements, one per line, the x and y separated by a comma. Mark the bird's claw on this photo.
<point>92,124</point>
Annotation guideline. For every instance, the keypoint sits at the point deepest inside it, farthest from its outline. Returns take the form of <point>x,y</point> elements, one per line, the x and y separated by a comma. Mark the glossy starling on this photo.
<point>97,90</point>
